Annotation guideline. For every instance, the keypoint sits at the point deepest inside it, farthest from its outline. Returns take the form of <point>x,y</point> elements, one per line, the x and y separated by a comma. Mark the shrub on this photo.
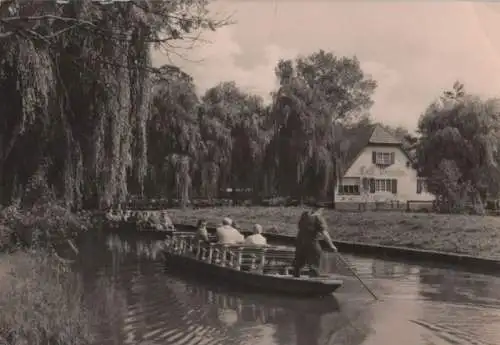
<point>44,224</point>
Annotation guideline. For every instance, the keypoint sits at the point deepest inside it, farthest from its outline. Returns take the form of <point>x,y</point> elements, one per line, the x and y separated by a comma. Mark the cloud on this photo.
<point>217,62</point>
<point>413,49</point>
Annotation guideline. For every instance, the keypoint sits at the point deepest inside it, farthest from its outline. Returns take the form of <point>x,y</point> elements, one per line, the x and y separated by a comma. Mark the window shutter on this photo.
<point>393,157</point>
<point>374,157</point>
<point>419,186</point>
<point>366,184</point>
<point>372,185</point>
<point>394,186</point>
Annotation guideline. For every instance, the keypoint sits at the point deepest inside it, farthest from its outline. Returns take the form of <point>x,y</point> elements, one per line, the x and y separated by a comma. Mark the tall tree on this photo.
<point>174,141</point>
<point>318,94</point>
<point>459,147</point>
<point>243,115</point>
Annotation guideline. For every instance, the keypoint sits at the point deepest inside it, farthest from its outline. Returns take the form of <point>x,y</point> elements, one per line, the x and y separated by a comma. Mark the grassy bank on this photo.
<point>474,235</point>
<point>40,302</point>
<point>40,298</point>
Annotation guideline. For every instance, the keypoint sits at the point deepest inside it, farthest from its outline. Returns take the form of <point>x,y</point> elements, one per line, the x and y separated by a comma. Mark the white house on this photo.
<point>378,169</point>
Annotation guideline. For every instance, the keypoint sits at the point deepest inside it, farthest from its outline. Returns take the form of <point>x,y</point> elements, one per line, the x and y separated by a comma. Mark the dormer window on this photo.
<point>383,158</point>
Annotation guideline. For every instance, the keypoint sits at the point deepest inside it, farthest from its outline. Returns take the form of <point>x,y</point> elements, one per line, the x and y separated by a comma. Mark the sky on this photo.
<point>413,49</point>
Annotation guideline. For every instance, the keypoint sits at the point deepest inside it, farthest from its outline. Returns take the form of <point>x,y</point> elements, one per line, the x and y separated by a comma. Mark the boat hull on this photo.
<point>283,284</point>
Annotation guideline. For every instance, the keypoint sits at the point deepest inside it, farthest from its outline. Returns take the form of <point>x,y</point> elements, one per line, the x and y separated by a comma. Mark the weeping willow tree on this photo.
<point>300,145</point>
<point>78,80</point>
<point>238,120</point>
<point>174,140</point>
<point>198,147</point>
<point>250,139</point>
<point>459,149</point>
<point>317,94</point>
<point>215,161</point>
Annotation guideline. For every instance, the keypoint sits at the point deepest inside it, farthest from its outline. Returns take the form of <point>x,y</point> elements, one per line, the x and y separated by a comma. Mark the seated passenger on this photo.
<point>110,216</point>
<point>201,232</point>
<point>127,215</point>
<point>256,238</point>
<point>226,234</point>
<point>120,215</point>
<point>154,220</point>
<point>166,221</point>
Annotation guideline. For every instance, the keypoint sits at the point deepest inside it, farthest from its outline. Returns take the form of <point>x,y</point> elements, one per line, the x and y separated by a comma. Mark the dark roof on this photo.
<point>356,139</point>
<point>381,136</point>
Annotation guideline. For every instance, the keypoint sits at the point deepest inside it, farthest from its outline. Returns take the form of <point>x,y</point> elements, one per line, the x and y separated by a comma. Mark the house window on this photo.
<point>383,158</point>
<point>349,190</point>
<point>350,186</point>
<point>383,185</point>
<point>421,186</point>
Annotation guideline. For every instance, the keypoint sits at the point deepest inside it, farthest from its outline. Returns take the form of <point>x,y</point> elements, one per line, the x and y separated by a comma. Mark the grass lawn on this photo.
<point>474,235</point>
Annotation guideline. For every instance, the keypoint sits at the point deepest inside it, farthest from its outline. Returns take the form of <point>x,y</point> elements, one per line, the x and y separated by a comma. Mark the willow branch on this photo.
<point>14,21</point>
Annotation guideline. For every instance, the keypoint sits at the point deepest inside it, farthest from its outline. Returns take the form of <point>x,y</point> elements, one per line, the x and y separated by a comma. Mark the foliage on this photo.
<point>36,218</point>
<point>173,134</point>
<point>458,149</point>
<point>239,117</point>
<point>318,94</point>
<point>40,303</point>
<point>90,110</point>
<point>78,77</point>
<point>202,146</point>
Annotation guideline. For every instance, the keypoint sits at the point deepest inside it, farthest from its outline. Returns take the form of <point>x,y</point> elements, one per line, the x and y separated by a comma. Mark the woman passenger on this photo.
<point>202,232</point>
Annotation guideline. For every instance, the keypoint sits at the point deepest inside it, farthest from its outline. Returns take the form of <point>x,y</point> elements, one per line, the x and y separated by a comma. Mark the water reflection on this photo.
<point>459,287</point>
<point>468,310</point>
<point>388,269</point>
<point>420,305</point>
<point>156,308</point>
<point>429,305</point>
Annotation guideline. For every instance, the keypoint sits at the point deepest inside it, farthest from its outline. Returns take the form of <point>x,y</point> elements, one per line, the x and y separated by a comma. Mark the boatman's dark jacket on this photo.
<point>307,246</point>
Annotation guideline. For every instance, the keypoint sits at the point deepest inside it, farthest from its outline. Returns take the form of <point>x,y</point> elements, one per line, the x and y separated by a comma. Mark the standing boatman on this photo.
<point>308,250</point>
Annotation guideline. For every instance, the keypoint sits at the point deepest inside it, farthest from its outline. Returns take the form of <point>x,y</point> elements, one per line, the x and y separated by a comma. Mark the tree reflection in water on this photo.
<point>149,305</point>
<point>389,269</point>
<point>448,285</point>
<point>293,321</point>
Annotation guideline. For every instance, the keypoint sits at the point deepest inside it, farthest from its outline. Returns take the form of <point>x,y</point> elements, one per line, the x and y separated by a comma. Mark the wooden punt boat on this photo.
<point>264,268</point>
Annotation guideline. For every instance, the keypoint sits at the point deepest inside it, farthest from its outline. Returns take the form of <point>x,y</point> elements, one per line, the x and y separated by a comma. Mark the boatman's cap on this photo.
<point>227,221</point>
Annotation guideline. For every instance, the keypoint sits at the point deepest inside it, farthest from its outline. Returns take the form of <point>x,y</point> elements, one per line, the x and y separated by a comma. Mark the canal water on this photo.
<point>137,302</point>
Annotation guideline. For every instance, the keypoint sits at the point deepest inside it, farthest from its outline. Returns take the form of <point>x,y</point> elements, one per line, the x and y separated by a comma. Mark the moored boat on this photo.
<point>266,268</point>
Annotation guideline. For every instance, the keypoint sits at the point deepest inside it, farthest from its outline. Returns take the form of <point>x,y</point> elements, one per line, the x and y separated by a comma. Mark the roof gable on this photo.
<point>381,136</point>
<point>356,139</point>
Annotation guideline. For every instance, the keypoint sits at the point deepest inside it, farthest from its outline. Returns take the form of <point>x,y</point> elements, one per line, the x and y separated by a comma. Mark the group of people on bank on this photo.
<point>311,228</point>
<point>158,220</point>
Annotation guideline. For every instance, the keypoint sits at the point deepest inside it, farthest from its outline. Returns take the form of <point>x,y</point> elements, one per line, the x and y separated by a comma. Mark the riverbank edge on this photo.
<point>469,262</point>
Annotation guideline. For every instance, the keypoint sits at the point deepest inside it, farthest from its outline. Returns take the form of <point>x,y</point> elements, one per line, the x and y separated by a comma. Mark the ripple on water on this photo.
<point>419,306</point>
